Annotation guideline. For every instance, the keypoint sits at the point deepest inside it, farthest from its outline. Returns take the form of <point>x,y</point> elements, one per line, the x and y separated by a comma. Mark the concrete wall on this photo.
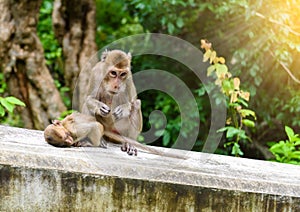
<point>35,176</point>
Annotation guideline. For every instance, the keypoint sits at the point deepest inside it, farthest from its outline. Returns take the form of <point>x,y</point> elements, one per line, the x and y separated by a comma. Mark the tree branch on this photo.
<point>278,23</point>
<point>286,69</point>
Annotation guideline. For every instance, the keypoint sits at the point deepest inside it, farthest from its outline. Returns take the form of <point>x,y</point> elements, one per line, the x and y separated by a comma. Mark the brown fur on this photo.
<point>75,130</point>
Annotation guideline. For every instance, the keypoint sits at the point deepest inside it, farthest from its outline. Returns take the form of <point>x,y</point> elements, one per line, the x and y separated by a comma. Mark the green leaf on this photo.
<point>290,132</point>
<point>163,20</point>
<point>271,143</point>
<point>227,86</point>
<point>15,101</point>
<point>248,123</point>
<point>277,148</point>
<point>141,139</point>
<point>231,132</point>
<point>243,135</point>
<point>8,106</point>
<point>257,80</point>
<point>206,55</point>
<point>166,138</point>
<point>236,150</point>
<point>171,28</point>
<point>210,70</point>
<point>247,112</point>
<point>184,134</point>
<point>242,102</point>
<point>159,133</point>
<point>221,69</point>
<point>295,155</point>
<point>212,57</point>
<point>179,22</point>
<point>223,129</point>
<point>201,91</point>
<point>2,111</point>
<point>64,89</point>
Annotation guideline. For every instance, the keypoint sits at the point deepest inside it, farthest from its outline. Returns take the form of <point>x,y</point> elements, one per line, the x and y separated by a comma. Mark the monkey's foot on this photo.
<point>103,143</point>
<point>130,149</point>
<point>77,144</point>
<point>82,143</point>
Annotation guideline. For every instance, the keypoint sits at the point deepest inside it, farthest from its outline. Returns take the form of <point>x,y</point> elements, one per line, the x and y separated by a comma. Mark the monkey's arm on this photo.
<point>136,118</point>
<point>94,107</point>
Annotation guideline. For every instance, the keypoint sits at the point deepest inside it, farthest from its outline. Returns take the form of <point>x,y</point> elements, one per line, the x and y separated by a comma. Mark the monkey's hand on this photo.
<point>102,109</point>
<point>93,107</point>
<point>122,111</point>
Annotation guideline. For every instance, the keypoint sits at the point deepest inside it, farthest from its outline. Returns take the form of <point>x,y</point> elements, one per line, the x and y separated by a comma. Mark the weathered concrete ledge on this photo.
<point>35,176</point>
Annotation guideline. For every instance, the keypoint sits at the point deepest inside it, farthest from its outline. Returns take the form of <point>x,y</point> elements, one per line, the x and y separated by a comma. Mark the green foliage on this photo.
<point>261,36</point>
<point>114,21</point>
<point>65,113</point>
<point>170,109</point>
<point>168,106</point>
<point>156,100</point>
<point>163,15</point>
<point>9,104</point>
<point>52,50</point>
<point>236,100</point>
<point>287,151</point>
<point>7,107</point>
<point>3,85</point>
<point>290,107</point>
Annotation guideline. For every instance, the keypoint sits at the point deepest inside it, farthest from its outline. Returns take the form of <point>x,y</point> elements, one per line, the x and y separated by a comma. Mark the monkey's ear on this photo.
<point>49,138</point>
<point>104,55</point>
<point>56,122</point>
<point>129,55</point>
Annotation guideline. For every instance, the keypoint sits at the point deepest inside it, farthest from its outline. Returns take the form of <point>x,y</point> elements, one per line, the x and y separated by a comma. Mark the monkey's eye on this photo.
<point>113,74</point>
<point>123,74</point>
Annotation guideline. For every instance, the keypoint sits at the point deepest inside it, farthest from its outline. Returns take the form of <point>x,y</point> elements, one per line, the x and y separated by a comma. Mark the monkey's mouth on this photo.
<point>113,92</point>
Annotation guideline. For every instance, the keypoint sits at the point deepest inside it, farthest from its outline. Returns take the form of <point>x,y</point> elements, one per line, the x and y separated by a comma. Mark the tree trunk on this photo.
<point>75,27</point>
<point>23,63</point>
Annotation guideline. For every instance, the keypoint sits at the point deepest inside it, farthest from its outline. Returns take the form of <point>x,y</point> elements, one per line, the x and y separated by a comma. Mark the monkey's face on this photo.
<point>57,135</point>
<point>115,81</point>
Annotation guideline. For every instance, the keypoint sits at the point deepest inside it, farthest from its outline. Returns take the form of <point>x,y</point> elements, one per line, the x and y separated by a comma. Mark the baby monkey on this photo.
<point>75,130</point>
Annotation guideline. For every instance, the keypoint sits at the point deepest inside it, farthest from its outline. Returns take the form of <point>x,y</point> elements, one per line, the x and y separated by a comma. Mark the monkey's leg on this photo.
<point>136,119</point>
<point>134,127</point>
<point>96,135</point>
<point>103,143</point>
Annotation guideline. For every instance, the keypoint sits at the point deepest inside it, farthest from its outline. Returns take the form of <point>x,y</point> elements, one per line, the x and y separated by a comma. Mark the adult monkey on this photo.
<point>112,97</point>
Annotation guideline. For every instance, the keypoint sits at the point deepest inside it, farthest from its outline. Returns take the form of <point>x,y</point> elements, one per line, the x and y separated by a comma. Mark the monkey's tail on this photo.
<point>123,139</point>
